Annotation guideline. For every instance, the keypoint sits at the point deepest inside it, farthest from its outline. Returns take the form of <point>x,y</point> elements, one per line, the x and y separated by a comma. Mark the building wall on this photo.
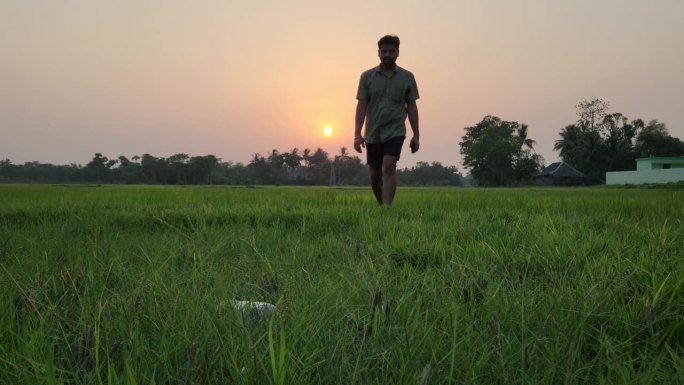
<point>645,176</point>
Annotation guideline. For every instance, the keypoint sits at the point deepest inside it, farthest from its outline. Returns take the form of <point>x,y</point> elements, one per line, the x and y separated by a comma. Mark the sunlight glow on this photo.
<point>327,131</point>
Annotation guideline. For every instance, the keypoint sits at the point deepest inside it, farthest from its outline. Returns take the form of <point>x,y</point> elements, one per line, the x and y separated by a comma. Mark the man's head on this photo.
<point>388,50</point>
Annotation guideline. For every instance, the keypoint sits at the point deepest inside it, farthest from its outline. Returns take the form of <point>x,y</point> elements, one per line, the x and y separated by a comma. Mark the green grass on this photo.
<point>132,285</point>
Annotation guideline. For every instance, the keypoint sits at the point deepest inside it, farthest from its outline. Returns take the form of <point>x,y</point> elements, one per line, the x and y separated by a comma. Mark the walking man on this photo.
<point>387,95</point>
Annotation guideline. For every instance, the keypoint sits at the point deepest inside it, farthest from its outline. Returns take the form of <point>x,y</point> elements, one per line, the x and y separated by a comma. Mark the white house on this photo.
<point>650,170</point>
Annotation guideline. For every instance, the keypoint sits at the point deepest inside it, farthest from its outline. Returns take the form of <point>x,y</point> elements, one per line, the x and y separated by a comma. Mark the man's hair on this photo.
<point>389,40</point>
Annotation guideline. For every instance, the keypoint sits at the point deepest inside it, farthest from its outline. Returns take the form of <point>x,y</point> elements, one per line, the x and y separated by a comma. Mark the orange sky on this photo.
<point>232,78</point>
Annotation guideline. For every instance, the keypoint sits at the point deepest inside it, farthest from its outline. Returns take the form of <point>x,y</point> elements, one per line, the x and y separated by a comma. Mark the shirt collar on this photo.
<point>379,69</point>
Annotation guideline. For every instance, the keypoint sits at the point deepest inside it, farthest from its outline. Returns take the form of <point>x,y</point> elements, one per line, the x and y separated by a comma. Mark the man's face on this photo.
<point>388,55</point>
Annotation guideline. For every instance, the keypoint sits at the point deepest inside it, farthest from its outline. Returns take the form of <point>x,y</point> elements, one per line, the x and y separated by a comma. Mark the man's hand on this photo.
<point>415,144</point>
<point>358,143</point>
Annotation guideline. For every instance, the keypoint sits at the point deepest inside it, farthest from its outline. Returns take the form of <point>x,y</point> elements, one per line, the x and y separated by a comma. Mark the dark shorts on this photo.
<point>376,151</point>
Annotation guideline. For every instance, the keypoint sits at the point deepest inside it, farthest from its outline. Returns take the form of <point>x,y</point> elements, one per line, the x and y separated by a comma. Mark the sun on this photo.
<point>327,131</point>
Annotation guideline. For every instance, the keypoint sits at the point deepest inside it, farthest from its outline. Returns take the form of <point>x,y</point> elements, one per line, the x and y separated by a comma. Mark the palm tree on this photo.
<point>306,155</point>
<point>293,161</point>
<point>570,136</point>
<point>522,138</point>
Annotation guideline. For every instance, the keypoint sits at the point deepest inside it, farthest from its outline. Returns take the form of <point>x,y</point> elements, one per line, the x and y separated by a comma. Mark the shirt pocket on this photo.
<point>376,89</point>
<point>399,94</point>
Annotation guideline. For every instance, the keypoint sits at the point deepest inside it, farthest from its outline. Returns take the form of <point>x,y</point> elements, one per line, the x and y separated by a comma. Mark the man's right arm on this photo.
<point>361,107</point>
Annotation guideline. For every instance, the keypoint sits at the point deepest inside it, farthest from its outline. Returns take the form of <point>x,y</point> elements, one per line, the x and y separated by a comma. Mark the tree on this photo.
<point>619,136</point>
<point>318,166</point>
<point>97,170</point>
<point>525,162</point>
<point>583,149</point>
<point>229,173</point>
<point>8,171</point>
<point>592,112</point>
<point>654,140</point>
<point>522,139</point>
<point>306,155</point>
<point>602,141</point>
<point>178,169</point>
<point>201,168</point>
<point>277,168</point>
<point>123,161</point>
<point>348,169</point>
<point>154,169</point>
<point>430,174</point>
<point>498,152</point>
<point>260,170</point>
<point>292,161</point>
<point>129,172</point>
<point>319,157</point>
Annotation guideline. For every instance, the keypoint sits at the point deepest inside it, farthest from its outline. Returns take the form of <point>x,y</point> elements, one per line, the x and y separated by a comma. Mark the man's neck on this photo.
<point>388,70</point>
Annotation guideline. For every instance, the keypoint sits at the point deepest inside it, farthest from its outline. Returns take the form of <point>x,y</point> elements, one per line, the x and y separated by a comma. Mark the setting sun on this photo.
<point>327,131</point>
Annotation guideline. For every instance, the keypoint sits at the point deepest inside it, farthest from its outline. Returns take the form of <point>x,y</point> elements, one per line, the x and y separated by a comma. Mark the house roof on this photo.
<point>560,170</point>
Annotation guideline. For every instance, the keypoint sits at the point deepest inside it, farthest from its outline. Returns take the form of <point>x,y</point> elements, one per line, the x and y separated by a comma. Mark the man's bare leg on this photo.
<point>389,179</point>
<point>376,182</point>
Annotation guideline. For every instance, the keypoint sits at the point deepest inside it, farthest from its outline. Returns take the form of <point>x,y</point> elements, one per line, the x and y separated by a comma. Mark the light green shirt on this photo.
<point>387,97</point>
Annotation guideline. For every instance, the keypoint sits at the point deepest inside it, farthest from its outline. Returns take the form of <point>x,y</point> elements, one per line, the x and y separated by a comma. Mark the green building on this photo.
<point>650,170</point>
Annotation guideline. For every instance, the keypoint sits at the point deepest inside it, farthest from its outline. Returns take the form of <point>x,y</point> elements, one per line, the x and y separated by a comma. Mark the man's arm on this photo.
<point>412,111</point>
<point>361,108</point>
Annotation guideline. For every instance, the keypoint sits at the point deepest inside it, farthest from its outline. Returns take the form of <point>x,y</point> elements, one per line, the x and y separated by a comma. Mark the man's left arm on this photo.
<point>412,111</point>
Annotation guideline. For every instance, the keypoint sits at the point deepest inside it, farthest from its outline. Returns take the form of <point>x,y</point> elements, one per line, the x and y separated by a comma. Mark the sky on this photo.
<point>234,78</point>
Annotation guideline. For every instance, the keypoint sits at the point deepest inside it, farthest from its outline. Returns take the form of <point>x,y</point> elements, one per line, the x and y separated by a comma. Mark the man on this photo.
<point>386,95</point>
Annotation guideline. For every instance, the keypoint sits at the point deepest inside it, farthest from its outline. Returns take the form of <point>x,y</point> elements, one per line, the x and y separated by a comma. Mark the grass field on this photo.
<point>133,285</point>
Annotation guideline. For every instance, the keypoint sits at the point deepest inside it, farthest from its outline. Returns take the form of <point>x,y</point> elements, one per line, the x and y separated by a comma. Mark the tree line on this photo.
<point>293,167</point>
<point>499,153</point>
<point>496,152</point>
<point>601,141</point>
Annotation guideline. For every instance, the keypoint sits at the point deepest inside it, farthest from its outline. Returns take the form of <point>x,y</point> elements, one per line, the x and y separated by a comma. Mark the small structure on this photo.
<point>650,170</point>
<point>560,174</point>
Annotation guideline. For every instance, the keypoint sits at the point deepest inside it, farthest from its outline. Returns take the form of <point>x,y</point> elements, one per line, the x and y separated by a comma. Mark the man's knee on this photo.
<point>389,165</point>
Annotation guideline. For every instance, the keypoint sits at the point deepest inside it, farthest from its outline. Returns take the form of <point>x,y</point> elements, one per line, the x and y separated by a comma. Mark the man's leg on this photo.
<point>389,179</point>
<point>376,182</point>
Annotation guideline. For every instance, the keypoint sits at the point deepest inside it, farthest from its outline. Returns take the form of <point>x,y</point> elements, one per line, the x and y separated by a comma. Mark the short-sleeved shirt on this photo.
<point>387,97</point>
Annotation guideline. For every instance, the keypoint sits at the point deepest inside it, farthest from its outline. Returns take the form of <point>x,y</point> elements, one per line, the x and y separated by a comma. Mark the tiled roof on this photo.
<point>560,169</point>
